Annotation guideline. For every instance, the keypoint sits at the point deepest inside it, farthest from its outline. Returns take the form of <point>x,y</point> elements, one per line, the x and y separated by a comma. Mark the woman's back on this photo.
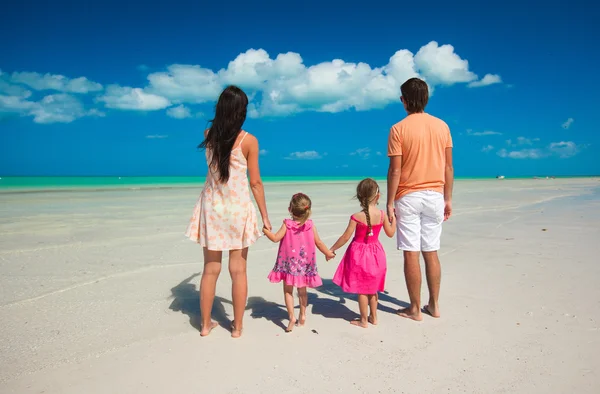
<point>224,217</point>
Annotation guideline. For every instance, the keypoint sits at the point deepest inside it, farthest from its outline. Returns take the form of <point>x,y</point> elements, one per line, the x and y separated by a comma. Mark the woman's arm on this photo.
<point>345,237</point>
<point>389,226</point>
<point>321,245</point>
<point>278,236</point>
<point>256,183</point>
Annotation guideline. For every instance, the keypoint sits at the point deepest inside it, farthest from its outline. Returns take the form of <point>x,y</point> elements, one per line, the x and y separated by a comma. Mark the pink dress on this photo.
<point>296,261</point>
<point>224,217</point>
<point>363,267</point>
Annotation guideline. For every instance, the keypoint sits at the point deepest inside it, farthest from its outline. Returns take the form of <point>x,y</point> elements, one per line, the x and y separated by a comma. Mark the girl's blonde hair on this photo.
<point>366,193</point>
<point>300,207</point>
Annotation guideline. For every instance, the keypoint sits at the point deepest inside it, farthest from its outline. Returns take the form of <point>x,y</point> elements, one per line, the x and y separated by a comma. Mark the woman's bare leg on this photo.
<point>208,284</point>
<point>239,291</point>
<point>303,295</point>
<point>363,306</point>
<point>288,293</point>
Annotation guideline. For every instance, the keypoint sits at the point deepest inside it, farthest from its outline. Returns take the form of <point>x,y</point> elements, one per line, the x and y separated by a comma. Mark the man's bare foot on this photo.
<point>235,332</point>
<point>359,323</point>
<point>431,311</point>
<point>407,313</point>
<point>301,321</point>
<point>206,330</point>
<point>373,320</point>
<point>290,326</point>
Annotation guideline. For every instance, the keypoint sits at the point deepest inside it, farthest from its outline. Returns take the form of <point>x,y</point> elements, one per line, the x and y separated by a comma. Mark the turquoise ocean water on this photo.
<point>112,182</point>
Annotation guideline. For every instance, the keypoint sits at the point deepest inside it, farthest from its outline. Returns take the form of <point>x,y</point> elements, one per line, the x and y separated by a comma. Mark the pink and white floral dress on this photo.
<point>224,217</point>
<point>296,261</point>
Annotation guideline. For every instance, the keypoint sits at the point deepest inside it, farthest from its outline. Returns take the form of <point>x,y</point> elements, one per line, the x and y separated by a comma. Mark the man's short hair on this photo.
<point>415,95</point>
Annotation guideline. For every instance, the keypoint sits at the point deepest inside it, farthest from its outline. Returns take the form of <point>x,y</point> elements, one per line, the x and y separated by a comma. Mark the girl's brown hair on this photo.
<point>366,193</point>
<point>300,207</point>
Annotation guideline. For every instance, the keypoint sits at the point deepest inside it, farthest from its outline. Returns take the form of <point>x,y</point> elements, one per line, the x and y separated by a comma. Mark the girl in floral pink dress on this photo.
<point>363,267</point>
<point>296,263</point>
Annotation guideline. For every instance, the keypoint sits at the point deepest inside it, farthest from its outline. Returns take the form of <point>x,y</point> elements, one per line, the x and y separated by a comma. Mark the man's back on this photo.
<point>421,140</point>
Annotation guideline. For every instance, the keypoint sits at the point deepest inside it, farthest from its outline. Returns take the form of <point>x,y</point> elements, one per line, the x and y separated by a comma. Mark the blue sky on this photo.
<point>112,88</point>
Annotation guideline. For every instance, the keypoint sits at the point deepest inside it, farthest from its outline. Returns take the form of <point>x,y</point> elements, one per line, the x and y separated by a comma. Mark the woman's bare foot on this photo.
<point>359,323</point>
<point>290,326</point>
<point>302,320</point>
<point>235,332</point>
<point>206,330</point>
<point>407,313</point>
<point>373,320</point>
<point>432,311</point>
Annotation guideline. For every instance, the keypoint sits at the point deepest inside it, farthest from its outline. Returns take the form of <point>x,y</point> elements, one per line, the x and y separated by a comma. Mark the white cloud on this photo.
<point>185,83</point>
<point>363,153</point>
<point>522,154</point>
<point>156,136</point>
<point>482,133</point>
<point>61,83</point>
<point>263,152</point>
<point>562,149</point>
<point>522,141</point>
<point>568,123</point>
<point>487,148</point>
<point>307,155</point>
<point>284,85</point>
<point>179,112</point>
<point>276,86</point>
<point>488,79</point>
<point>54,108</point>
<point>378,153</point>
<point>441,65</point>
<point>132,99</point>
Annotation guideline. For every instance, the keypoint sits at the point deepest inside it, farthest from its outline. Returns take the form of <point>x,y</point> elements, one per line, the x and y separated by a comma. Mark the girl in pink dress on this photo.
<point>363,267</point>
<point>296,263</point>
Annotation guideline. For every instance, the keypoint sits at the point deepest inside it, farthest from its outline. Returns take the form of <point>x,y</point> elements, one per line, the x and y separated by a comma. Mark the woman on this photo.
<point>224,217</point>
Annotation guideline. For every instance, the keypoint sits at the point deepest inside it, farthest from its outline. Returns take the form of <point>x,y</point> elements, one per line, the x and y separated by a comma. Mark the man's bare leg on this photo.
<point>433,273</point>
<point>412,275</point>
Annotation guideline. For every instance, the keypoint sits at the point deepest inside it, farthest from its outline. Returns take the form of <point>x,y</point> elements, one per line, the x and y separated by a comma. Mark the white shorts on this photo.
<point>419,218</point>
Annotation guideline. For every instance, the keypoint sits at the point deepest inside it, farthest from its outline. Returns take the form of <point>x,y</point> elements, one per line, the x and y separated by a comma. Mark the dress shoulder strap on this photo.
<point>242,140</point>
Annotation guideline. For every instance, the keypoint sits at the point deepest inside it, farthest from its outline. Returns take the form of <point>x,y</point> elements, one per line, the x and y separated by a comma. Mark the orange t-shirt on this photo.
<point>421,140</point>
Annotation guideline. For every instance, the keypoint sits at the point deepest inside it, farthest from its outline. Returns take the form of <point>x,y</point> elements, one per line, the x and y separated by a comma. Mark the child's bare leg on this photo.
<point>373,301</point>
<point>288,293</point>
<point>363,306</point>
<point>303,295</point>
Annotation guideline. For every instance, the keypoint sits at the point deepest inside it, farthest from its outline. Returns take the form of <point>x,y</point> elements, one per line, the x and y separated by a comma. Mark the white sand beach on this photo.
<point>99,294</point>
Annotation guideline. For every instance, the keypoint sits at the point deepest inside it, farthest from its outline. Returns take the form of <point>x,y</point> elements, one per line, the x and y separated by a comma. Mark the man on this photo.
<point>420,180</point>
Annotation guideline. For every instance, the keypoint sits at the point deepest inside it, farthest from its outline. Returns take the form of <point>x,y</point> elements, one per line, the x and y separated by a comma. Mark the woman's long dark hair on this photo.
<point>230,114</point>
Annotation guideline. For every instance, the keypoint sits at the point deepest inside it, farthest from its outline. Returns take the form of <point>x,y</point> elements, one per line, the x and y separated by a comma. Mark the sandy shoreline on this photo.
<point>98,294</point>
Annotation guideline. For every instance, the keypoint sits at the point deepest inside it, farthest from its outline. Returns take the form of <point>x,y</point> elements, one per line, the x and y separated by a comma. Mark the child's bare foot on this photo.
<point>409,314</point>
<point>301,321</point>
<point>432,311</point>
<point>373,320</point>
<point>290,326</point>
<point>207,329</point>
<point>360,323</point>
<point>235,332</point>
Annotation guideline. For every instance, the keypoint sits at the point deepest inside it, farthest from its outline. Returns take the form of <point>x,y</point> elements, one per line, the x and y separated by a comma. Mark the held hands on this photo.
<point>391,212</point>
<point>447,210</point>
<point>267,224</point>
<point>329,255</point>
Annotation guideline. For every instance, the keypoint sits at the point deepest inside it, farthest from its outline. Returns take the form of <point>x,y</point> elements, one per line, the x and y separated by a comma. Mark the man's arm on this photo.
<point>449,184</point>
<point>393,180</point>
<point>394,170</point>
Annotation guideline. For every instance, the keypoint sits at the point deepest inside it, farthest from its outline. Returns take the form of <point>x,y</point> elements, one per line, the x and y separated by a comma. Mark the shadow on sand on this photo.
<point>331,289</point>
<point>186,300</point>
